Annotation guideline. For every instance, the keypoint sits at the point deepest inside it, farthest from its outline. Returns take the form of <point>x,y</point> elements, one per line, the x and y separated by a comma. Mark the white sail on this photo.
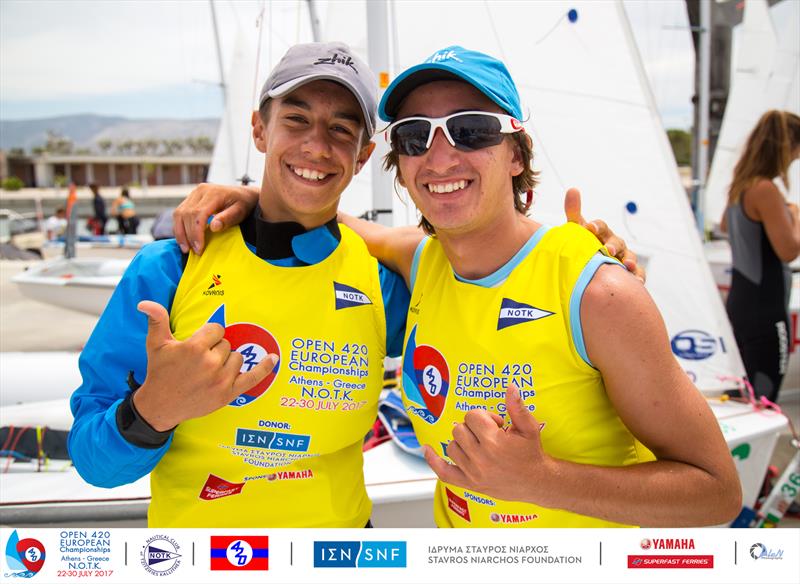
<point>765,75</point>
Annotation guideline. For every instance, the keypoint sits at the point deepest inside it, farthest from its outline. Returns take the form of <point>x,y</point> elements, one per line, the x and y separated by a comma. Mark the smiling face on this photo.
<point>314,143</point>
<point>459,192</point>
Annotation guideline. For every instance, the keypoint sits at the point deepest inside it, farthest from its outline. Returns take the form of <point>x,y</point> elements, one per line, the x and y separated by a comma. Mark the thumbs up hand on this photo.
<point>191,378</point>
<point>503,462</point>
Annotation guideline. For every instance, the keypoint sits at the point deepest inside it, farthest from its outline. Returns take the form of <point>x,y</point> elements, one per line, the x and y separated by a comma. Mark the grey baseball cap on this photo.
<point>330,61</point>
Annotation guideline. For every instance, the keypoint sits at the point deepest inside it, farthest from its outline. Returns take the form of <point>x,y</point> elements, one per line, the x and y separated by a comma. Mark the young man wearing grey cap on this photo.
<point>261,362</point>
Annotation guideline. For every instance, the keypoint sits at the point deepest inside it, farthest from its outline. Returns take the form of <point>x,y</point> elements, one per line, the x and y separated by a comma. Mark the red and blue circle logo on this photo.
<point>426,378</point>
<point>253,343</point>
<point>24,556</point>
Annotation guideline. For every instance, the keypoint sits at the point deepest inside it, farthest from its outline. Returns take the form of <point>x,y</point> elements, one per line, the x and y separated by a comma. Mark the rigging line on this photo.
<point>494,30</point>
<point>538,142</point>
<point>592,96</point>
<point>260,27</point>
<point>551,31</point>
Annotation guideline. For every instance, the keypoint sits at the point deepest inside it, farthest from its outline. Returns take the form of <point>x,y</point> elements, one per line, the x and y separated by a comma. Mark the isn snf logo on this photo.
<point>25,557</point>
<point>359,554</point>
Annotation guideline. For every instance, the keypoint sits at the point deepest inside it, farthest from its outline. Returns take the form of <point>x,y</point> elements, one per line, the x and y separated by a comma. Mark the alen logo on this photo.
<point>25,557</point>
<point>758,551</point>
<point>359,554</point>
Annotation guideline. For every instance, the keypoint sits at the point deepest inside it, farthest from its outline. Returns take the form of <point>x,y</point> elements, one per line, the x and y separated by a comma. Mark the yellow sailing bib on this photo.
<point>287,453</point>
<point>465,343</point>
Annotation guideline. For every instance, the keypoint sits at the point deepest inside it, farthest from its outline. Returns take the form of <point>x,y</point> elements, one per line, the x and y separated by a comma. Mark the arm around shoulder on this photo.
<point>394,247</point>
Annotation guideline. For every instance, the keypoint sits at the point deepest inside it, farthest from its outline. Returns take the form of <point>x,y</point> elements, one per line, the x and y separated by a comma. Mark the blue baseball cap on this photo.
<point>487,74</point>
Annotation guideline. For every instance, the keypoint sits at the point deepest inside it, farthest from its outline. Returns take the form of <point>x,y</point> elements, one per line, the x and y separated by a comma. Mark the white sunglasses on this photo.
<point>465,131</point>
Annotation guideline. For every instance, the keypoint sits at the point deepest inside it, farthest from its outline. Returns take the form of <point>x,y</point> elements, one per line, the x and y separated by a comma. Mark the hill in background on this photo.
<point>92,132</point>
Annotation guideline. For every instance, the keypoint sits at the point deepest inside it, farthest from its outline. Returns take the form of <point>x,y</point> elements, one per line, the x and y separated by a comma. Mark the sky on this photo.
<point>157,59</point>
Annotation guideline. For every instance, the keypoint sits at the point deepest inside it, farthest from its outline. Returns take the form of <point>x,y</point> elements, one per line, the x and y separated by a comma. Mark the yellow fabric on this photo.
<point>457,338</point>
<point>292,456</point>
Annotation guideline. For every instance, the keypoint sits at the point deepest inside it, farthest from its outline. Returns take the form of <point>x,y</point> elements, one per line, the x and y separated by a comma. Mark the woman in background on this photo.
<point>124,210</point>
<point>764,233</point>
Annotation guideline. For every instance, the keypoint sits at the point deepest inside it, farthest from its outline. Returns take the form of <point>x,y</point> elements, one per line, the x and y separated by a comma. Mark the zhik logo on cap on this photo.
<point>348,297</point>
<point>512,313</point>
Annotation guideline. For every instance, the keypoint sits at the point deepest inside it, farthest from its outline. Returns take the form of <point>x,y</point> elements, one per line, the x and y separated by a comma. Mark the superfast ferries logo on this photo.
<point>426,379</point>
<point>253,343</point>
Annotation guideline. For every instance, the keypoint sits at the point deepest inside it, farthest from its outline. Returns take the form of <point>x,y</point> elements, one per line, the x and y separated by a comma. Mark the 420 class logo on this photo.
<point>24,556</point>
<point>426,379</point>
<point>253,343</point>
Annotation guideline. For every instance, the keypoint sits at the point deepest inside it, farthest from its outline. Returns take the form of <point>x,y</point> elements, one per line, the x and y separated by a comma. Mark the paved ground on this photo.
<point>27,325</point>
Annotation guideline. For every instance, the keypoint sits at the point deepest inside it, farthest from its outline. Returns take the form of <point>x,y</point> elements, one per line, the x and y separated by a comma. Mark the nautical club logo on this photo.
<point>426,379</point>
<point>253,343</point>
<point>159,555</point>
<point>349,297</point>
<point>230,552</point>
<point>513,312</point>
<point>25,557</point>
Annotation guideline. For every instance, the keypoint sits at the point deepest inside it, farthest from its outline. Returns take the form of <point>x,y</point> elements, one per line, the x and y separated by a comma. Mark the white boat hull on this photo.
<point>81,284</point>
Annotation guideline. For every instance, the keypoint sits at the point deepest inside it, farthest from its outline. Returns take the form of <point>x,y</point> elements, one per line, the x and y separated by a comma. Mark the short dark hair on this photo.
<point>524,182</point>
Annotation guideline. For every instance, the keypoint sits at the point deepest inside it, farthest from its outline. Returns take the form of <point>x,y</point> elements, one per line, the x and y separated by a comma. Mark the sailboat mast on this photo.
<point>312,13</point>
<point>378,37</point>
<point>224,87</point>
<point>703,78</point>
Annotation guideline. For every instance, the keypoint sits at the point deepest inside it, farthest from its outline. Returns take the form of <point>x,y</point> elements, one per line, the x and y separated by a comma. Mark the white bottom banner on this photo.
<point>292,556</point>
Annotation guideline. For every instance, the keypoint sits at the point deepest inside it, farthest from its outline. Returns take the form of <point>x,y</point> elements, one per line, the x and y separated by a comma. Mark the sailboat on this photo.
<point>595,125</point>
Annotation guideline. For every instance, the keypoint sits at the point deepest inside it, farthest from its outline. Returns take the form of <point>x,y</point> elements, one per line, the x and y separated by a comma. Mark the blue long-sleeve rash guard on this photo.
<point>102,456</point>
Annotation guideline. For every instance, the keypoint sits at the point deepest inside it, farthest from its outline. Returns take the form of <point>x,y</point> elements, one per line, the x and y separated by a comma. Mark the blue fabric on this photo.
<point>99,452</point>
<point>487,74</point>
<point>415,261</point>
<point>575,298</point>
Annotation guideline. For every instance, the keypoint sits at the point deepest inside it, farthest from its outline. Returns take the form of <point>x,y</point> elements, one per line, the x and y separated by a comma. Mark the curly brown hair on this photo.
<point>524,182</point>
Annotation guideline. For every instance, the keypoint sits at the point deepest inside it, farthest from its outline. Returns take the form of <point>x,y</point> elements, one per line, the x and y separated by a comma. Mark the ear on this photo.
<point>259,132</point>
<point>518,165</point>
<point>363,156</point>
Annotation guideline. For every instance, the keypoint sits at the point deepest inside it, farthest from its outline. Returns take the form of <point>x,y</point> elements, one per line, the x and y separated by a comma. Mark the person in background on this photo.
<point>124,209</point>
<point>56,225</point>
<point>100,217</point>
<point>764,233</point>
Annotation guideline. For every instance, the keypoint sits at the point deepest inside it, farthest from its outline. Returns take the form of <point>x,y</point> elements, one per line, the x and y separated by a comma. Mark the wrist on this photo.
<point>149,413</point>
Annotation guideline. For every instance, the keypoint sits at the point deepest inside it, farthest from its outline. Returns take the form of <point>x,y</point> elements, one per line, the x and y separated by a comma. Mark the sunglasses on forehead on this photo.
<point>466,131</point>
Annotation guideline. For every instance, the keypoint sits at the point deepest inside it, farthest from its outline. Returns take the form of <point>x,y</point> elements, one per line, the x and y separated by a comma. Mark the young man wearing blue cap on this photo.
<point>261,361</point>
<point>512,372</point>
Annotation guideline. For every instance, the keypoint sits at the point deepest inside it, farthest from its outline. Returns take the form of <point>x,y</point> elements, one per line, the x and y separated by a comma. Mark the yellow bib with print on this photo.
<point>466,343</point>
<point>287,453</point>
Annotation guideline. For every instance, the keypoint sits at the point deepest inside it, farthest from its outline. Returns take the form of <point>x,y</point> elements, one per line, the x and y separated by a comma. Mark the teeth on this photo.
<point>309,174</point>
<point>447,187</point>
